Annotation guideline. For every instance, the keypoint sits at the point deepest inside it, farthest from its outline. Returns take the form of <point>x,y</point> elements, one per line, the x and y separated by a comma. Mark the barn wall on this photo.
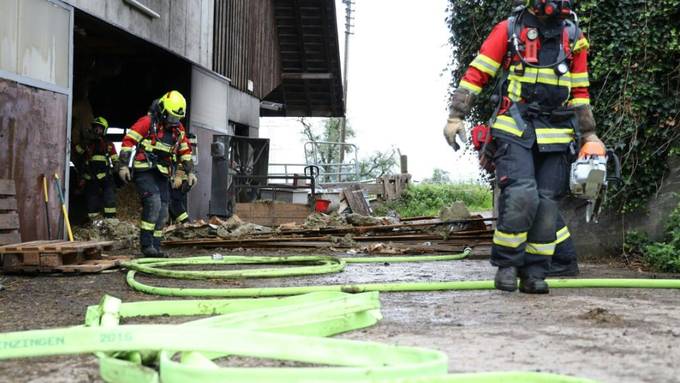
<point>246,45</point>
<point>184,27</point>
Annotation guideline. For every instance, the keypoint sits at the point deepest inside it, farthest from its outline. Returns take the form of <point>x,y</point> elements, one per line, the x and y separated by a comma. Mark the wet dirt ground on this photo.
<point>609,335</point>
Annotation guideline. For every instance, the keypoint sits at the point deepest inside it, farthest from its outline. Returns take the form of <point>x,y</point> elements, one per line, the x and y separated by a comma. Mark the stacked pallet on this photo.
<point>58,256</point>
<point>9,219</point>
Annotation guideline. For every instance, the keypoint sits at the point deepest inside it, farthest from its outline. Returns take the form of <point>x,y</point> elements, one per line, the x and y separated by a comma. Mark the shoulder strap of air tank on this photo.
<point>512,20</point>
<point>572,30</point>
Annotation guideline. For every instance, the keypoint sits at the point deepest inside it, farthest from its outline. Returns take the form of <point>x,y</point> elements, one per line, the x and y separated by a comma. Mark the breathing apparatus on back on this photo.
<point>552,10</point>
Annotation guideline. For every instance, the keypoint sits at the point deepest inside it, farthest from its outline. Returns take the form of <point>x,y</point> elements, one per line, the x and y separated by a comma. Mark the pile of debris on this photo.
<point>231,228</point>
<point>125,234</point>
<point>352,232</point>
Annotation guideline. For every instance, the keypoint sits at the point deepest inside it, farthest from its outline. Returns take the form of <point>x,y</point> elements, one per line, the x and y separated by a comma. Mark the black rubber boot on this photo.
<point>157,246</point>
<point>563,270</point>
<point>533,286</point>
<point>506,279</point>
<point>149,251</point>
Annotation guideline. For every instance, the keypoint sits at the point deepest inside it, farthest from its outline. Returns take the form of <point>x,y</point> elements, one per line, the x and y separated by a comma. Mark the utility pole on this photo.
<point>348,32</point>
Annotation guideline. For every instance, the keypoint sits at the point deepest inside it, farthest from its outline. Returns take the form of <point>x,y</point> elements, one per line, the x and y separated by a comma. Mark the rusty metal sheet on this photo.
<point>33,126</point>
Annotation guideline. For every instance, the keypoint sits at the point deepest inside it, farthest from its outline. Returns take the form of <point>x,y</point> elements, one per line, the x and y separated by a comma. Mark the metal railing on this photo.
<point>333,171</point>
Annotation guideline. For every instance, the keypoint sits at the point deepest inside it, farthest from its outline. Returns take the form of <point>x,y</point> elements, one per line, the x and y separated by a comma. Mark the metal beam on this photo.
<point>143,9</point>
<point>306,76</point>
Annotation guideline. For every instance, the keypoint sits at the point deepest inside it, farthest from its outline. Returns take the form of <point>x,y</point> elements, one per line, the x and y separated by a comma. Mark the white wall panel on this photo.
<point>9,25</point>
<point>209,100</point>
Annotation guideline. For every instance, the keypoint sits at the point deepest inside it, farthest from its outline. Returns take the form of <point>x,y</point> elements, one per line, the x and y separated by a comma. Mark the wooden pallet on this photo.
<point>9,219</point>
<point>58,256</point>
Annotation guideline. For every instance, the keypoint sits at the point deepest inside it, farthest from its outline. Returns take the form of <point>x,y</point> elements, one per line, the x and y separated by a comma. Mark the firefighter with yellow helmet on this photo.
<point>146,158</point>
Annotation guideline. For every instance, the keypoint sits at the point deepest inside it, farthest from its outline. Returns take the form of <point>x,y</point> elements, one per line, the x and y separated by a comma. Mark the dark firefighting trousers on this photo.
<point>565,251</point>
<point>531,184</point>
<point>101,193</point>
<point>154,191</point>
<point>178,206</point>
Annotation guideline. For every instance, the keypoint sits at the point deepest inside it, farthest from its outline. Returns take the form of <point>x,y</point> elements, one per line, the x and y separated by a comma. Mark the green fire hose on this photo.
<point>288,329</point>
<point>324,264</point>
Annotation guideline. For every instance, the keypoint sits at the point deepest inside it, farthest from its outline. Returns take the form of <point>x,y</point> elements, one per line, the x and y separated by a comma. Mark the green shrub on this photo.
<point>661,256</point>
<point>428,199</point>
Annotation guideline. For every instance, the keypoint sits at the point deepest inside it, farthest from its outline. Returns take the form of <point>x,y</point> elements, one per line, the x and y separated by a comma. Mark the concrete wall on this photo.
<point>33,127</point>
<point>607,236</point>
<point>185,26</point>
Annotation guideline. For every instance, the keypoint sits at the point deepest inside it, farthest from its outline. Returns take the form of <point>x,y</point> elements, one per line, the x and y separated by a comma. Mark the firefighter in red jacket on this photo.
<point>149,148</point>
<point>539,57</point>
<point>94,159</point>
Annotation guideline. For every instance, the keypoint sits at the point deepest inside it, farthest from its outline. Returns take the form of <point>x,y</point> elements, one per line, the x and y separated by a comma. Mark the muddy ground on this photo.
<point>607,335</point>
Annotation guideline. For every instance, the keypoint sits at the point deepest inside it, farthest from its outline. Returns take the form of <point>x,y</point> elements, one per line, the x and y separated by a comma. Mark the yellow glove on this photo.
<point>191,179</point>
<point>124,174</point>
<point>455,128</point>
<point>177,179</point>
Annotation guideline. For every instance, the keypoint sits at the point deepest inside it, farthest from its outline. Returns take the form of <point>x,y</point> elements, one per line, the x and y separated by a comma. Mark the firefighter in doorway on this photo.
<point>94,160</point>
<point>147,156</point>
<point>542,115</point>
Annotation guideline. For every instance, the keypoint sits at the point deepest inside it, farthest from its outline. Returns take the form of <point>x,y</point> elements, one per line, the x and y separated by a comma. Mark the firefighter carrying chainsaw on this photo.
<point>542,118</point>
<point>147,156</point>
<point>95,158</point>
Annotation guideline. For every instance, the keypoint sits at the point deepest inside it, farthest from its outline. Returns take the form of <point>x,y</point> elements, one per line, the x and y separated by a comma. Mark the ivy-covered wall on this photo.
<point>634,75</point>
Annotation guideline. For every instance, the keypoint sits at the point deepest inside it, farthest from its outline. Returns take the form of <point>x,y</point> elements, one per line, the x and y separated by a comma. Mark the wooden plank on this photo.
<point>7,187</point>
<point>8,203</point>
<point>67,246</point>
<point>88,267</point>
<point>9,221</point>
<point>9,238</point>
<point>272,214</point>
<point>356,201</point>
<point>27,246</point>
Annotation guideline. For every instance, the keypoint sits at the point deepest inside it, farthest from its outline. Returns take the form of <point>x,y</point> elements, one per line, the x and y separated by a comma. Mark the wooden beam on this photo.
<point>7,187</point>
<point>9,221</point>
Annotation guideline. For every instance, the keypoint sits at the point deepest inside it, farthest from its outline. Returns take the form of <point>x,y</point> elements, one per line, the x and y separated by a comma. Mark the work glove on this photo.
<point>455,128</point>
<point>124,174</point>
<point>191,179</point>
<point>176,182</point>
<point>591,137</point>
<point>177,179</point>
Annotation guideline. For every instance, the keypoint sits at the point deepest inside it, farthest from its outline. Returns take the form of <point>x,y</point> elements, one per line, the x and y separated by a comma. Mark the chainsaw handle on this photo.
<point>616,178</point>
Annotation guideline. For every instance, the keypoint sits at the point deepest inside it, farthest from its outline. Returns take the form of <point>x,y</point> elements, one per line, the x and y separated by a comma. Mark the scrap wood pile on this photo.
<point>353,233</point>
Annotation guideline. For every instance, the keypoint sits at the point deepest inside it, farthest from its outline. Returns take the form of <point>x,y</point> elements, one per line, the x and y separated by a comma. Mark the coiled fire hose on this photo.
<point>311,265</point>
<point>288,329</point>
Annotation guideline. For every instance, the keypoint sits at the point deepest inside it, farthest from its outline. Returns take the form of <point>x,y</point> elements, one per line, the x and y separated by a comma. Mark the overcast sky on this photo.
<point>397,88</point>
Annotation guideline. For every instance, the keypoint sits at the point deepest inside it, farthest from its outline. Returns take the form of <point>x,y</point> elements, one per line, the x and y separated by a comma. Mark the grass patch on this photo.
<point>428,199</point>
